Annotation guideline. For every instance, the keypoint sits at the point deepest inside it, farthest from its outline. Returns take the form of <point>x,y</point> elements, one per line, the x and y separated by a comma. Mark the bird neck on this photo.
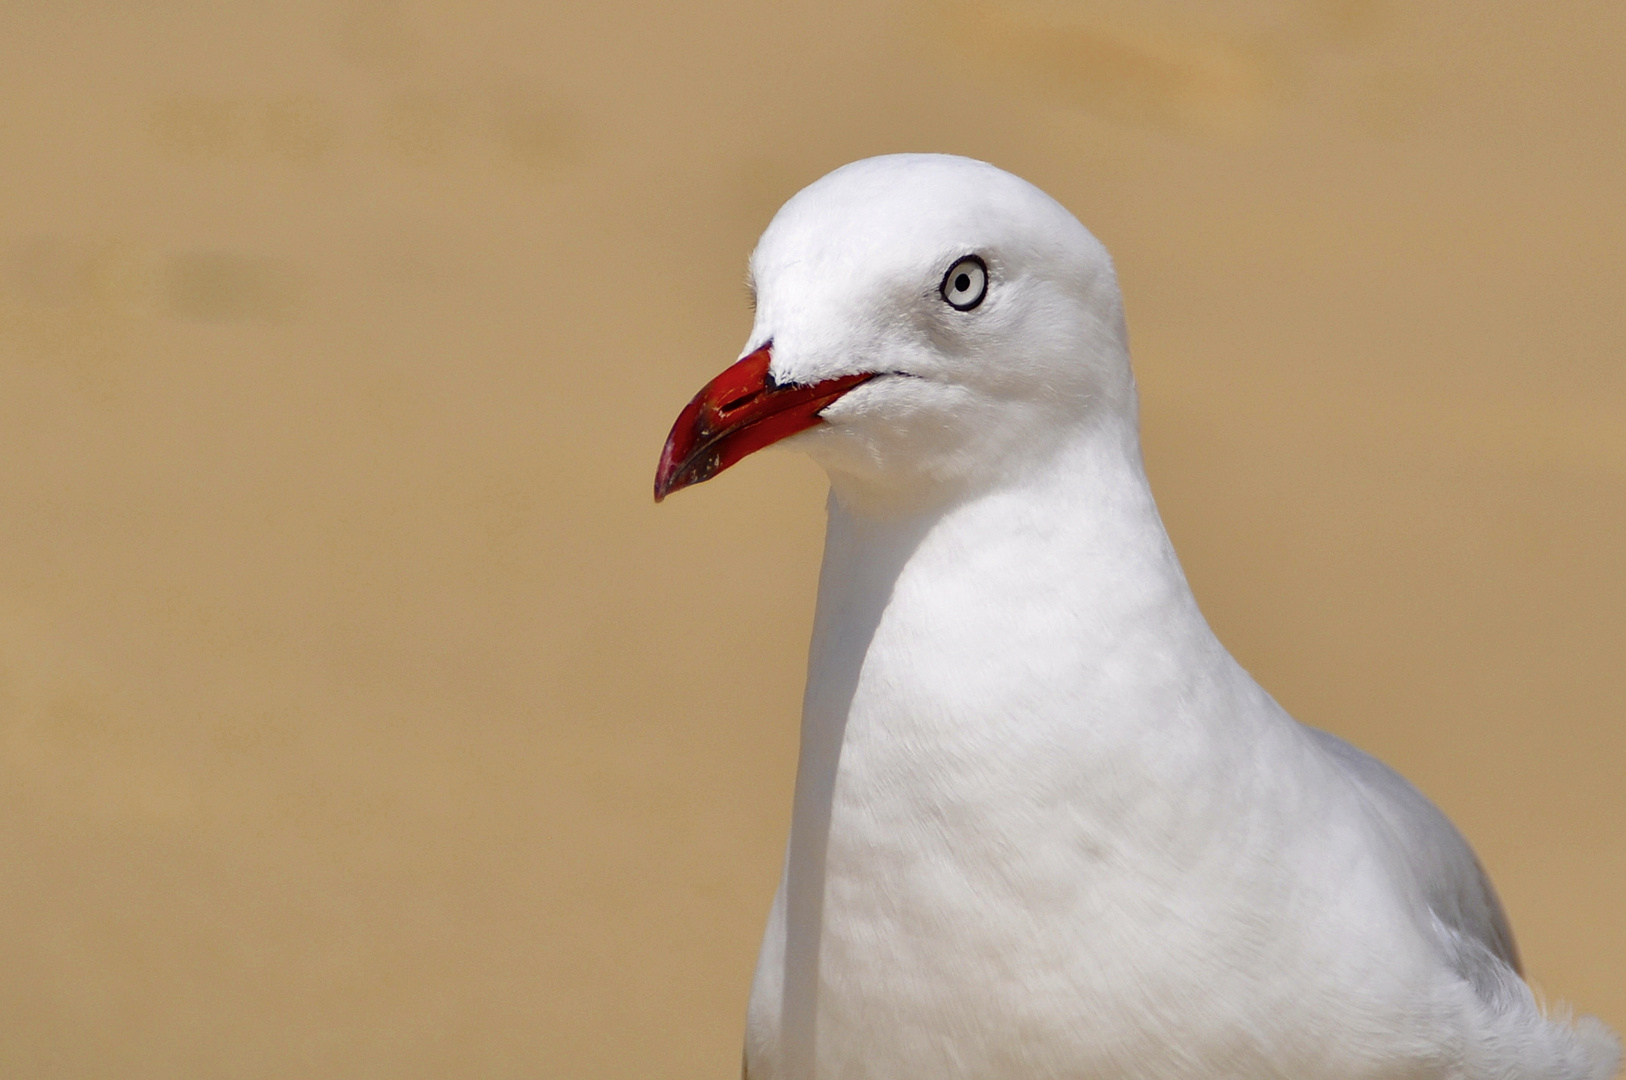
<point>1061,578</point>
<point>1033,644</point>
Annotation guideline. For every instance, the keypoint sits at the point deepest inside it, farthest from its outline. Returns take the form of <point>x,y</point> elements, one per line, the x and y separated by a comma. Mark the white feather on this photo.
<point>1045,825</point>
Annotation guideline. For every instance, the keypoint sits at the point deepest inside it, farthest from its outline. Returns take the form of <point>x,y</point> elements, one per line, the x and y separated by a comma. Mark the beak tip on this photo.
<point>669,472</point>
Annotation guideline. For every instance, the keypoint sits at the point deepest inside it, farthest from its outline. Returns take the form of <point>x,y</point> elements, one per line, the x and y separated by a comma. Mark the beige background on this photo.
<point>360,716</point>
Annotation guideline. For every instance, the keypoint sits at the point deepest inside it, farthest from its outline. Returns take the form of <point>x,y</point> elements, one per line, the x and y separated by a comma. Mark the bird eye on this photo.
<point>965,284</point>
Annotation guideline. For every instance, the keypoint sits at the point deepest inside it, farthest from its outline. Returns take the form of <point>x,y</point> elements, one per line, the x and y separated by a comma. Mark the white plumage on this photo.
<point>1045,825</point>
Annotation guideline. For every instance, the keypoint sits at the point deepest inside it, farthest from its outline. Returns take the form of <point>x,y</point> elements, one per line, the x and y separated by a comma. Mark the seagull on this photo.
<point>1044,825</point>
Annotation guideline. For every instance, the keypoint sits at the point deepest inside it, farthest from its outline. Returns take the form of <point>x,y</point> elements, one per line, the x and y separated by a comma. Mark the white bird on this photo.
<point>1044,824</point>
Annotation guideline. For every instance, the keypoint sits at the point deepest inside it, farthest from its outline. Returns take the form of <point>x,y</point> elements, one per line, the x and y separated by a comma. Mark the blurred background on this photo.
<point>360,715</point>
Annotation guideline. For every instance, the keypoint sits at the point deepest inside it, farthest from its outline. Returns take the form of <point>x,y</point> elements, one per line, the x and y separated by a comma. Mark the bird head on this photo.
<point>925,325</point>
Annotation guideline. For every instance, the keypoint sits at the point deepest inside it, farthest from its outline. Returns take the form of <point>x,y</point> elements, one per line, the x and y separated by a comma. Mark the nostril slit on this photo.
<point>730,406</point>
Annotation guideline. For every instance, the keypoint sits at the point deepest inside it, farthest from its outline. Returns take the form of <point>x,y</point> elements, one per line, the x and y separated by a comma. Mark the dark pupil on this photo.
<point>962,283</point>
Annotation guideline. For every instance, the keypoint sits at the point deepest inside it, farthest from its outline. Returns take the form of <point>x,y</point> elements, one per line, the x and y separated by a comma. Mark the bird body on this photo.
<point>1044,824</point>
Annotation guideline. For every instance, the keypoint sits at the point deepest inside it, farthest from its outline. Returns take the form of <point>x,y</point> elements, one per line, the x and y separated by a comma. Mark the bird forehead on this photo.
<point>864,243</point>
<point>901,219</point>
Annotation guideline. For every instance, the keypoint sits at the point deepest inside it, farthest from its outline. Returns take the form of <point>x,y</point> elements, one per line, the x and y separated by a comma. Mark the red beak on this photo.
<point>737,413</point>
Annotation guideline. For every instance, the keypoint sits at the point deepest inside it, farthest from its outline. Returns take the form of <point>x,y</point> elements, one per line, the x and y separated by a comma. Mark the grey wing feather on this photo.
<point>1444,866</point>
